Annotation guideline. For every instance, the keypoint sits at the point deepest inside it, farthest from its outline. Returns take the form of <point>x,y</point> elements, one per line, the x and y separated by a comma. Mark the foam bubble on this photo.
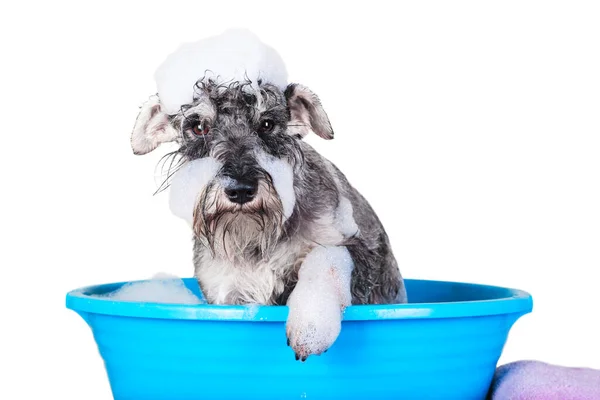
<point>187,184</point>
<point>283,179</point>
<point>234,55</point>
<point>251,310</point>
<point>162,288</point>
<point>318,300</point>
<point>228,182</point>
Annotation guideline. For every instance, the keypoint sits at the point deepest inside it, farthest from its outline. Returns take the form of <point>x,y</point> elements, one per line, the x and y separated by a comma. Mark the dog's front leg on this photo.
<point>317,302</point>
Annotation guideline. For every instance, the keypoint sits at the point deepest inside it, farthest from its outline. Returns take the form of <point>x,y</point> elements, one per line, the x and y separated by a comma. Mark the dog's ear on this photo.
<point>152,127</point>
<point>306,113</point>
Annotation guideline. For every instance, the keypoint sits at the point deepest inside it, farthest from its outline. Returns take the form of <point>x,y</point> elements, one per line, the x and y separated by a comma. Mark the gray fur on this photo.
<point>250,253</point>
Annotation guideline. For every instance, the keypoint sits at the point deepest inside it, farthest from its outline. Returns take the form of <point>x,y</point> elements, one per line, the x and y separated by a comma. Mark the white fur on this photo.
<point>187,184</point>
<point>233,55</point>
<point>225,276</point>
<point>283,179</point>
<point>324,229</point>
<point>334,227</point>
<point>344,218</point>
<point>318,300</point>
<point>204,108</point>
<point>223,280</point>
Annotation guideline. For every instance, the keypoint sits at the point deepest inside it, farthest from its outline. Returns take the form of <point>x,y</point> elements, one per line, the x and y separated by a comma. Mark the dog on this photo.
<point>275,223</point>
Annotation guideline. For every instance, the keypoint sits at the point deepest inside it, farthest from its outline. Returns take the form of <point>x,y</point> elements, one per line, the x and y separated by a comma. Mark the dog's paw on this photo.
<point>312,326</point>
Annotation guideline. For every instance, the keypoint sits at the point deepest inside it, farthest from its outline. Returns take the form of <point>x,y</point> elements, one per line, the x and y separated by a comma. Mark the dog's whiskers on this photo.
<point>176,162</point>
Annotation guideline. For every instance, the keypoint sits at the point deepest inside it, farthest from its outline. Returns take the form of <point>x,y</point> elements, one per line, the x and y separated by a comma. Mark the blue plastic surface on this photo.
<point>444,344</point>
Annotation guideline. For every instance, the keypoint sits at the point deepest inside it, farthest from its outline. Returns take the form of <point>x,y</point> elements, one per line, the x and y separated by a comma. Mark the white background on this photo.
<point>472,128</point>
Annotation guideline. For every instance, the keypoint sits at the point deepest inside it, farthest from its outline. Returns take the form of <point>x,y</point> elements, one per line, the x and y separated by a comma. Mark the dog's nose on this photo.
<point>241,192</point>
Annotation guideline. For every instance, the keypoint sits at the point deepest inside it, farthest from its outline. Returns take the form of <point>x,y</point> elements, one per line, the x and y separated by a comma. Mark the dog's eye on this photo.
<point>265,126</point>
<point>201,128</point>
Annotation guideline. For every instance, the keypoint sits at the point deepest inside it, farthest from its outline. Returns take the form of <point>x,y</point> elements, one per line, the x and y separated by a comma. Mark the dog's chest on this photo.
<point>227,282</point>
<point>232,281</point>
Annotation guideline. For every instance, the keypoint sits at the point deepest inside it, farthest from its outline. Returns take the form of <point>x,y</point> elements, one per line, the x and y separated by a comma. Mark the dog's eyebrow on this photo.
<point>201,108</point>
<point>277,113</point>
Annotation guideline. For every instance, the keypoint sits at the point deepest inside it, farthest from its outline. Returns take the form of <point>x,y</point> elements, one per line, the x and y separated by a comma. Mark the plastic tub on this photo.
<point>443,345</point>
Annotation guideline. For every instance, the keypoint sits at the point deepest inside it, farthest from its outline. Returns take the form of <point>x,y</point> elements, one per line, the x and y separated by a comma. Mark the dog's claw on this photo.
<point>288,342</point>
<point>303,359</point>
<point>297,356</point>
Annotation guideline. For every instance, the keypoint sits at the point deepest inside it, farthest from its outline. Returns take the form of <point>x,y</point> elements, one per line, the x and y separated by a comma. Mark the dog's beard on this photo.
<point>239,232</point>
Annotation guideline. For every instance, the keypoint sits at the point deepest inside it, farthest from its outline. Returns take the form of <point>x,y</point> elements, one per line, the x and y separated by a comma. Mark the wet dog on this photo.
<point>274,222</point>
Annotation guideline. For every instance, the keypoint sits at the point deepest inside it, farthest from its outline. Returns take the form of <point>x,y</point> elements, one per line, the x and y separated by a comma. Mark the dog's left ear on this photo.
<point>306,113</point>
<point>152,127</point>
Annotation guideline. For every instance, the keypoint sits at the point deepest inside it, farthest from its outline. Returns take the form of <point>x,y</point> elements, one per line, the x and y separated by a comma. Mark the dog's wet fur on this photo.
<point>246,250</point>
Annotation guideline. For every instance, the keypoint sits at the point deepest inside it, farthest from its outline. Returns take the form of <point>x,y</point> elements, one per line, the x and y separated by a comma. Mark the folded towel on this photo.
<point>534,380</point>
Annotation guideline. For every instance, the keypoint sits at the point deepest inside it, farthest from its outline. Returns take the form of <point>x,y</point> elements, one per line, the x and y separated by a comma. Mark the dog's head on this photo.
<point>252,131</point>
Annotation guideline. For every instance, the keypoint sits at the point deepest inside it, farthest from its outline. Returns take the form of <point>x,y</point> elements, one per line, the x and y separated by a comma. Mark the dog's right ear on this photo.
<point>152,127</point>
<point>306,112</point>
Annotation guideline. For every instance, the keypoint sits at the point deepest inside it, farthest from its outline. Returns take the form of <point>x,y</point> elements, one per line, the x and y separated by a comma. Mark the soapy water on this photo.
<point>162,288</point>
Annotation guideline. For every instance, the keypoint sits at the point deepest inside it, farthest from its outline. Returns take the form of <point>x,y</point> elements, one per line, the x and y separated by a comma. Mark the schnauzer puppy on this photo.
<point>275,223</point>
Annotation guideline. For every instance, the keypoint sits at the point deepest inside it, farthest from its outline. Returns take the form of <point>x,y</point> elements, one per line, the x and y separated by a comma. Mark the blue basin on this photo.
<point>444,344</point>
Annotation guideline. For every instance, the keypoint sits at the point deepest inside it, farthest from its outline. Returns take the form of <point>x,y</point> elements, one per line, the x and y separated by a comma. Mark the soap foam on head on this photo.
<point>234,55</point>
<point>187,184</point>
<point>162,288</point>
